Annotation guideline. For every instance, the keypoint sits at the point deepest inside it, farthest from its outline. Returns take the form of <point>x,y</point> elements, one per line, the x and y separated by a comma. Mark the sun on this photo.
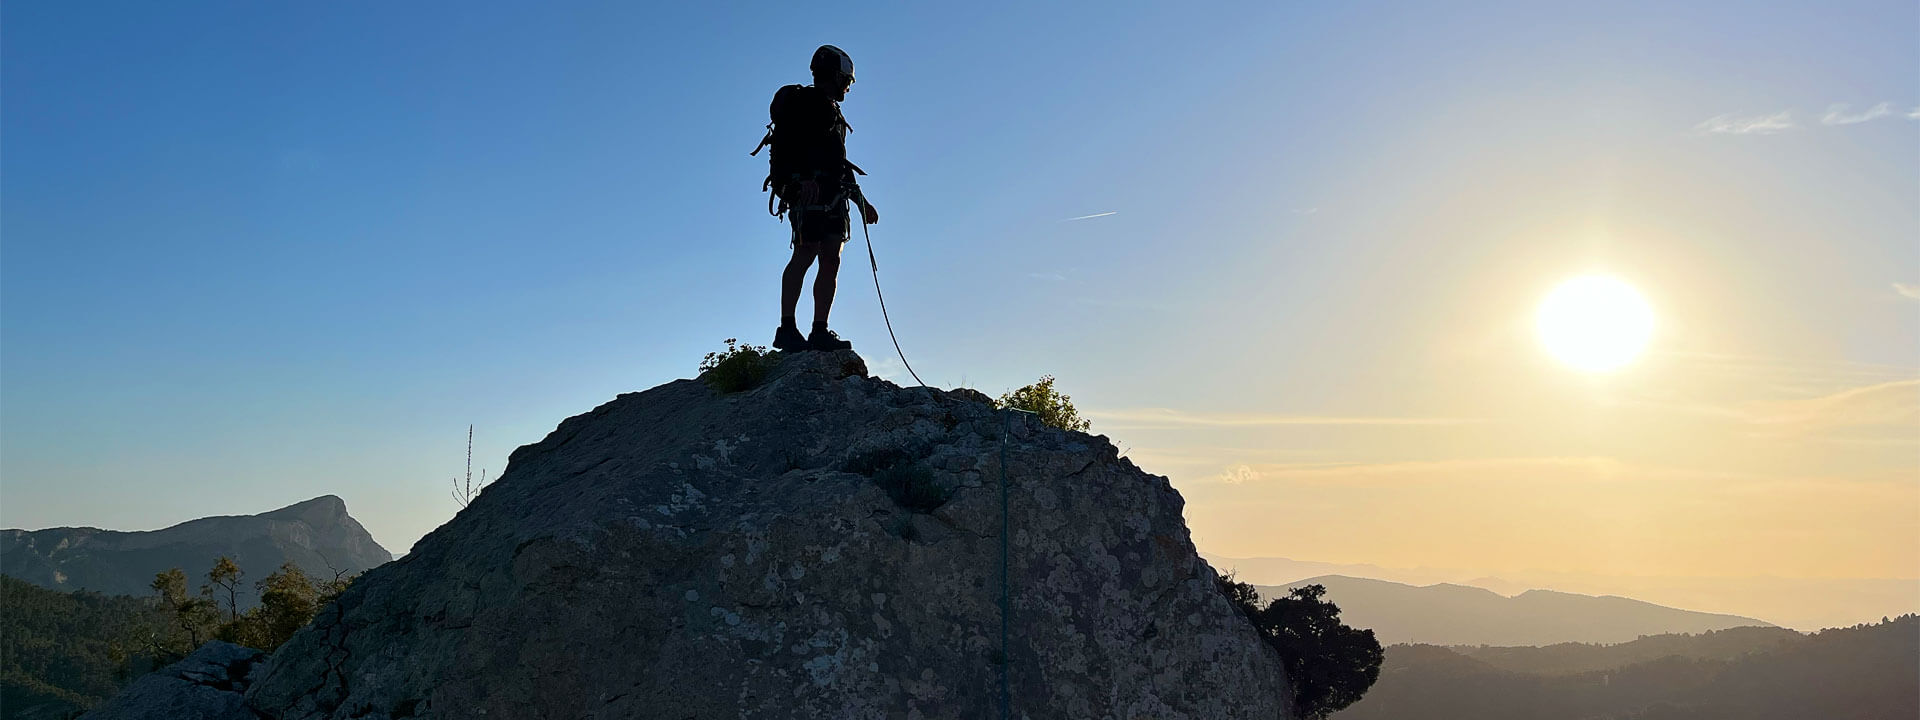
<point>1595,323</point>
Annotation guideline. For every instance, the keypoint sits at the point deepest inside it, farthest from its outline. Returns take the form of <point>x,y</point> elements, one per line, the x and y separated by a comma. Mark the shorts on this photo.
<point>818,229</point>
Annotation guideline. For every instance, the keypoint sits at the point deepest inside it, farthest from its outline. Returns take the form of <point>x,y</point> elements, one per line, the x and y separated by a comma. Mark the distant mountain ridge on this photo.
<point>1804,604</point>
<point>1447,614</point>
<point>1575,658</point>
<point>318,535</point>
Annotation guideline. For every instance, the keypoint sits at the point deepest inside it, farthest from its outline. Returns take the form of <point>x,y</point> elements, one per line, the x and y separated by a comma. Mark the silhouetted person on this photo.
<point>813,182</point>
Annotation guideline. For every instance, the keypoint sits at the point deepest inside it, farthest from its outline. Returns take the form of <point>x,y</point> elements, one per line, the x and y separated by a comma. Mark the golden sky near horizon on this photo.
<point>1687,461</point>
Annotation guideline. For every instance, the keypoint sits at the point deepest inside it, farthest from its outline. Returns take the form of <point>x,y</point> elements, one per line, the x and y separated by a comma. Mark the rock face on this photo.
<point>206,685</point>
<point>824,545</point>
<point>314,534</point>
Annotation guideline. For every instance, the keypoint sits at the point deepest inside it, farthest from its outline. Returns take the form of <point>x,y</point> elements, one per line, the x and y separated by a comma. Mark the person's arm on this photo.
<point>850,176</point>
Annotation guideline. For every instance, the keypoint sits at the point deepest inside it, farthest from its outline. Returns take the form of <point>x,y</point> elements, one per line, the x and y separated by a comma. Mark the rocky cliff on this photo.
<point>316,534</point>
<point>824,545</point>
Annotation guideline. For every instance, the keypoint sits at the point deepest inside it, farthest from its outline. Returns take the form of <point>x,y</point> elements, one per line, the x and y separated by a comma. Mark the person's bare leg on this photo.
<point>825,282</point>
<point>791,280</point>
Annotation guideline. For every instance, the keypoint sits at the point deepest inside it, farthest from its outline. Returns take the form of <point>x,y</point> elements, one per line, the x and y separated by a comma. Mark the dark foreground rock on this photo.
<point>206,685</point>
<point>825,545</point>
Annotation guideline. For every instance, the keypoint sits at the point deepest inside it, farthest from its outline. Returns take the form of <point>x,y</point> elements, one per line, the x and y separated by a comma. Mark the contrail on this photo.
<point>1088,217</point>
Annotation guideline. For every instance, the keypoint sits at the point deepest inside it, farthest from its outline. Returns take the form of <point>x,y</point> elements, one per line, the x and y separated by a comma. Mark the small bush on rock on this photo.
<point>1053,406</point>
<point>1329,664</point>
<point>738,367</point>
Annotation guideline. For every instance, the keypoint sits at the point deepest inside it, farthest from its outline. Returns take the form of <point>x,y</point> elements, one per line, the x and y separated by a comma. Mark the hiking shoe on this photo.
<point>824,339</point>
<point>788,338</point>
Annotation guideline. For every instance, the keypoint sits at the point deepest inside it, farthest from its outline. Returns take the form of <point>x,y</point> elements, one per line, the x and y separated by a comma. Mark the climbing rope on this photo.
<point>1006,585</point>
<point>876,289</point>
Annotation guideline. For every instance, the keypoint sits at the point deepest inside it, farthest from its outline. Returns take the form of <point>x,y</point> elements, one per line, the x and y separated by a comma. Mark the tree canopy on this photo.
<point>1329,664</point>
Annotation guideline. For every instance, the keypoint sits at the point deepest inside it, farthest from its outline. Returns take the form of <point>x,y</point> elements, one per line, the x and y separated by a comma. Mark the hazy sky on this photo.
<point>1287,254</point>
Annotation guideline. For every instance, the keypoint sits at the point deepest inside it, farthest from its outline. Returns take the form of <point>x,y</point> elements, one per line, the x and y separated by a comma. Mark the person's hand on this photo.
<point>870,215</point>
<point>808,194</point>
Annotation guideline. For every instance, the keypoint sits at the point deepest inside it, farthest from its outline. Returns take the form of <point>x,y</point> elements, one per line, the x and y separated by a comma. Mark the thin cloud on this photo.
<point>1239,474</point>
<point>1734,124</point>
<point>1908,291</point>
<point>1146,418</point>
<point>1893,403</point>
<point>1837,114</point>
<point>1468,470</point>
<point>1197,460</point>
<point>1800,373</point>
<point>1879,407</point>
<point>1915,115</point>
<point>1090,217</point>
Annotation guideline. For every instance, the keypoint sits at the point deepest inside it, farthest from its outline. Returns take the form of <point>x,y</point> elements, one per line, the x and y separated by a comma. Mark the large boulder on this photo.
<point>206,685</point>
<point>823,545</point>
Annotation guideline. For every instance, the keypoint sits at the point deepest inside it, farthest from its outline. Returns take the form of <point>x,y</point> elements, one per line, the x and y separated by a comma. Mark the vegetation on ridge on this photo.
<point>64,652</point>
<point>1329,664</point>
<point>1041,398</point>
<point>288,601</point>
<point>464,493</point>
<point>739,367</point>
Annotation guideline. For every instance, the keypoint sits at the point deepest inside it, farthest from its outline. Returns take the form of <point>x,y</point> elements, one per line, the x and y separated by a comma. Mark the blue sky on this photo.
<point>253,253</point>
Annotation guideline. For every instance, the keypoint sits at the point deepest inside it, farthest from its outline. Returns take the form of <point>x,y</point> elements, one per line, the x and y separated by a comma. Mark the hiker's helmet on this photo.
<point>832,63</point>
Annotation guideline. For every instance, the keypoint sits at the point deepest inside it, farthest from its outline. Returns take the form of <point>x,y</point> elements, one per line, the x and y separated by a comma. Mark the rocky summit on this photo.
<point>822,545</point>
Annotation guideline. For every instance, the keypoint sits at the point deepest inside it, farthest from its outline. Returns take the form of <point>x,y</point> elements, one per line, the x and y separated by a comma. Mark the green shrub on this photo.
<point>738,367</point>
<point>1329,664</point>
<point>1053,406</point>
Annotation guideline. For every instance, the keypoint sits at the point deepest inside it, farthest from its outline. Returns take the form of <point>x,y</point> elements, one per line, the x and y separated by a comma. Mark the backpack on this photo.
<point>799,147</point>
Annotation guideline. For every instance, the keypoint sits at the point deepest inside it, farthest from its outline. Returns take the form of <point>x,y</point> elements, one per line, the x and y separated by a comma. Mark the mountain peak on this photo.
<point>322,510</point>
<point>318,535</point>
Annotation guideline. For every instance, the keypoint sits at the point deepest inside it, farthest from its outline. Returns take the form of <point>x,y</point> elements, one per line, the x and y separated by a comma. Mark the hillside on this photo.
<point>1572,658</point>
<point>1868,672</point>
<point>1448,614</point>
<point>61,652</point>
<point>317,534</point>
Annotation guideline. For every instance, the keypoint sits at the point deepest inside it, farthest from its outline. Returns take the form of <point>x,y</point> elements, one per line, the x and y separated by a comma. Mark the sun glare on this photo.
<point>1594,323</point>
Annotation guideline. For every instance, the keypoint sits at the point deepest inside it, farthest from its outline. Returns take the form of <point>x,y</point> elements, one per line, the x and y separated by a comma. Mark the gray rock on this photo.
<point>825,545</point>
<point>206,685</point>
